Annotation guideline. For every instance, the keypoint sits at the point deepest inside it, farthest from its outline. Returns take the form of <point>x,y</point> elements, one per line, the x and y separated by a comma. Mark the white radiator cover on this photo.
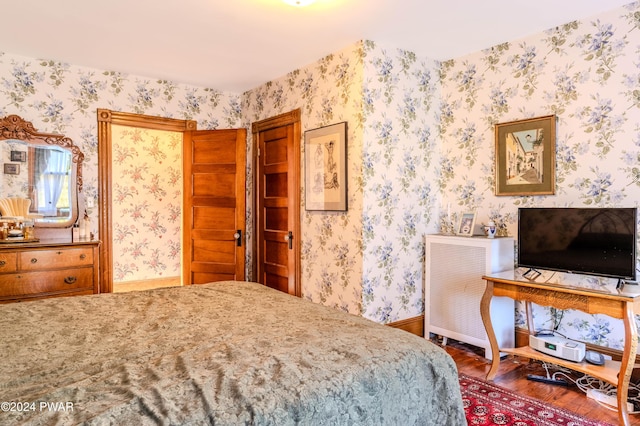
<point>454,286</point>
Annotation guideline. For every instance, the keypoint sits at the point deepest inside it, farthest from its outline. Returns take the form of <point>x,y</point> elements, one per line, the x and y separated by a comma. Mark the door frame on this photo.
<point>285,119</point>
<point>107,118</point>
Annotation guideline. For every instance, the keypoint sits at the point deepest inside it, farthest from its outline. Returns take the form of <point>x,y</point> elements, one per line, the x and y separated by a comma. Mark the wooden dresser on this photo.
<point>53,268</point>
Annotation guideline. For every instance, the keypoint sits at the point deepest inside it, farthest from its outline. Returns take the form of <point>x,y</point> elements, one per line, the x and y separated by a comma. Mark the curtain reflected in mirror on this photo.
<point>50,182</point>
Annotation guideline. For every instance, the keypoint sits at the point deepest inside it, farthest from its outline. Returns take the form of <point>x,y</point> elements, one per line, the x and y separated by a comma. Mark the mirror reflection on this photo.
<point>43,176</point>
<point>40,174</point>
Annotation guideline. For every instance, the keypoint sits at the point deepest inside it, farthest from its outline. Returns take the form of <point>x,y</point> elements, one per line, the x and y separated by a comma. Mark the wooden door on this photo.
<point>278,202</point>
<point>214,205</point>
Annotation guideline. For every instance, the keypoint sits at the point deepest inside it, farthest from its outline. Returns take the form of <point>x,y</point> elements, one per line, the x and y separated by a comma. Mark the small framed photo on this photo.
<point>325,173</point>
<point>11,169</point>
<point>466,224</point>
<point>19,156</point>
<point>525,156</point>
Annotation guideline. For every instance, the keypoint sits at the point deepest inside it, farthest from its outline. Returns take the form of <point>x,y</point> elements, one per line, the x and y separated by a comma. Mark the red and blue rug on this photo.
<point>487,404</point>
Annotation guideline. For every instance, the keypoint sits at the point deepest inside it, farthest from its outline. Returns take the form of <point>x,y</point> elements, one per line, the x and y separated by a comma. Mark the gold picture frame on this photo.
<point>325,181</point>
<point>525,156</point>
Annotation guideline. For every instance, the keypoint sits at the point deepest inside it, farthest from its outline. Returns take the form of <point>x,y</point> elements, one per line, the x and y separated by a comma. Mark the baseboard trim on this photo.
<point>413,325</point>
<point>145,284</point>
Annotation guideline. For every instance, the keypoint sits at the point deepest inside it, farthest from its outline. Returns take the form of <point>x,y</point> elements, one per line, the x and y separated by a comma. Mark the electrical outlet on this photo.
<point>90,203</point>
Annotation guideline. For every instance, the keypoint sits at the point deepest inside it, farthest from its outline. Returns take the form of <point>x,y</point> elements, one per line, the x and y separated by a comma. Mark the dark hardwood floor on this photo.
<point>513,376</point>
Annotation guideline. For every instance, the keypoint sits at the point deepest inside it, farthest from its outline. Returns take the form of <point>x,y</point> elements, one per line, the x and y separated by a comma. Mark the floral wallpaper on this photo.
<point>423,153</point>
<point>13,185</point>
<point>420,145</point>
<point>586,73</point>
<point>367,260</point>
<point>400,99</point>
<point>146,203</point>
<point>63,98</point>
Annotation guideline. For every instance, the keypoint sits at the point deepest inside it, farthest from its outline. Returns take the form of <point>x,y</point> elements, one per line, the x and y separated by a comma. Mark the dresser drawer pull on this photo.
<point>70,279</point>
<point>34,260</point>
<point>2,263</point>
<point>83,256</point>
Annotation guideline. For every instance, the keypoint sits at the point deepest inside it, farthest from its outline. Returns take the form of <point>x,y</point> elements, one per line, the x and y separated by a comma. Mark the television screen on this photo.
<point>594,241</point>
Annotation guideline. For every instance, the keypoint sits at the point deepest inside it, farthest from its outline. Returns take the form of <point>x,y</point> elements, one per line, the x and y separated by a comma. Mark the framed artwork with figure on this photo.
<point>525,156</point>
<point>325,177</point>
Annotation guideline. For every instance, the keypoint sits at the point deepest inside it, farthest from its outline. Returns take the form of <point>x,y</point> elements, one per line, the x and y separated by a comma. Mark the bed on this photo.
<point>224,353</point>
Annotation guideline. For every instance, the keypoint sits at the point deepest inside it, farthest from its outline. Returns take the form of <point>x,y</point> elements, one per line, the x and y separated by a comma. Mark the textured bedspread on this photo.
<point>225,353</point>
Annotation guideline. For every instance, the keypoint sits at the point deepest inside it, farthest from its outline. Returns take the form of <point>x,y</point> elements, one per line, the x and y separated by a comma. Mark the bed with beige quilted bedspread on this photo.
<point>227,353</point>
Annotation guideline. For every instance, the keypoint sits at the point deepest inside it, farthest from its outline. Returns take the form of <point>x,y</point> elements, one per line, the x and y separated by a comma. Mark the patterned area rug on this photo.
<point>488,404</point>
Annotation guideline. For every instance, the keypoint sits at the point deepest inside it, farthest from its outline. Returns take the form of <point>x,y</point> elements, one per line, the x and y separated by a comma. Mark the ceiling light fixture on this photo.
<point>299,3</point>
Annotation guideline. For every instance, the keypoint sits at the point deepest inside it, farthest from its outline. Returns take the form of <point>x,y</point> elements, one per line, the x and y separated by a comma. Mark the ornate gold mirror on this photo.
<point>45,168</point>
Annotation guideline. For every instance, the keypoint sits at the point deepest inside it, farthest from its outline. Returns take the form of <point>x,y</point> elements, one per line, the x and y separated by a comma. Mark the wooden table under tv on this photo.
<point>620,306</point>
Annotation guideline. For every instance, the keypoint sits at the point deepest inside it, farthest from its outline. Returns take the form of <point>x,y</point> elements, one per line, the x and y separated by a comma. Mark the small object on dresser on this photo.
<point>75,233</point>
<point>28,229</point>
<point>81,232</point>
<point>15,233</point>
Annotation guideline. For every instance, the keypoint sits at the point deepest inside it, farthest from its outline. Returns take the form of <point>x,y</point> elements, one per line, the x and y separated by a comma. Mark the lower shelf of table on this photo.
<point>607,372</point>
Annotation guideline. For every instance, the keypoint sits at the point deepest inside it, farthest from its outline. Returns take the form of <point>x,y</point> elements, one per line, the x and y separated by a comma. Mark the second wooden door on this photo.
<point>278,202</point>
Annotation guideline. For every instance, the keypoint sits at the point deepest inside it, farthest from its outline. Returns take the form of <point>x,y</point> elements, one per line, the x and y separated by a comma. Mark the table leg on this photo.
<point>485,313</point>
<point>628,361</point>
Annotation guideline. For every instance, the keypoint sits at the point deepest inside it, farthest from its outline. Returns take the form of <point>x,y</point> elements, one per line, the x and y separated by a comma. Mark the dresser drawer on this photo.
<point>37,260</point>
<point>30,283</point>
<point>8,262</point>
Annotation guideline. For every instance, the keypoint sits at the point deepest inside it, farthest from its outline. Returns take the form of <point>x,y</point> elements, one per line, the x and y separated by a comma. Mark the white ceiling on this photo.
<point>236,45</point>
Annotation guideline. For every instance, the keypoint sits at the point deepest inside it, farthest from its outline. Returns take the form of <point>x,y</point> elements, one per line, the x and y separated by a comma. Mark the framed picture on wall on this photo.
<point>325,177</point>
<point>525,156</point>
<point>11,169</point>
<point>19,156</point>
<point>466,223</point>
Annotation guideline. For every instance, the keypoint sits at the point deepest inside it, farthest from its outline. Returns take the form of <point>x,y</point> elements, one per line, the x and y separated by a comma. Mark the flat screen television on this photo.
<point>592,241</point>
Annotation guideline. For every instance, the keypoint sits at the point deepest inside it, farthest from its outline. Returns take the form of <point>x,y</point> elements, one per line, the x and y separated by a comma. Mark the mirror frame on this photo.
<point>15,127</point>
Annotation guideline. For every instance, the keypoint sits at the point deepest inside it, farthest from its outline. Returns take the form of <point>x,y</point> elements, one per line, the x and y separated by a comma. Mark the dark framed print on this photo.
<point>466,224</point>
<point>525,156</point>
<point>325,181</point>
<point>11,169</point>
<point>19,156</point>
